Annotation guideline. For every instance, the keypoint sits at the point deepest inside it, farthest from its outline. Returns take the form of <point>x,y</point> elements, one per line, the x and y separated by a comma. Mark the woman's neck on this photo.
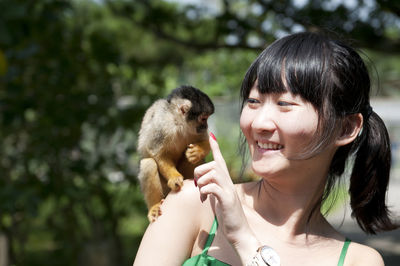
<point>295,210</point>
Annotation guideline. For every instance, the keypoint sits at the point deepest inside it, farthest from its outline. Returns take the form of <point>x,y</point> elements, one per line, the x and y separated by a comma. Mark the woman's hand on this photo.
<point>213,179</point>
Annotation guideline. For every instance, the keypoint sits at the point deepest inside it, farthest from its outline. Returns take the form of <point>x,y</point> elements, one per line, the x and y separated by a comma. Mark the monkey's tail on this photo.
<point>150,182</point>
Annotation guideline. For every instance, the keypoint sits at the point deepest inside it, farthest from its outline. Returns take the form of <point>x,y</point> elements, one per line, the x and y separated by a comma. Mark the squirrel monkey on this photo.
<point>173,140</point>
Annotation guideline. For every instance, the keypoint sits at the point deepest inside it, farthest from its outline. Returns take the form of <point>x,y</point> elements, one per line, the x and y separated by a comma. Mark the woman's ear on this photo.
<point>352,126</point>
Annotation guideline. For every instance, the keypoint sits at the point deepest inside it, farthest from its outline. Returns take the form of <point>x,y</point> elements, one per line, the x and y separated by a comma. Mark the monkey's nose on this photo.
<point>203,119</point>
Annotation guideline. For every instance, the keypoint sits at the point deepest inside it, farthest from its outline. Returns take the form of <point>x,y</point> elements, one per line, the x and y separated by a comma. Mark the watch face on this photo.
<point>270,257</point>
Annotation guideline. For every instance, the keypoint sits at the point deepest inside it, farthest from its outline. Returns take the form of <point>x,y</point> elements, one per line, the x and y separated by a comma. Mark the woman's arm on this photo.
<point>213,180</point>
<point>169,240</point>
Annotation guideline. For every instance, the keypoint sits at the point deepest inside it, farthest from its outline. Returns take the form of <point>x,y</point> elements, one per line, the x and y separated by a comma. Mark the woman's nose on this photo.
<point>264,120</point>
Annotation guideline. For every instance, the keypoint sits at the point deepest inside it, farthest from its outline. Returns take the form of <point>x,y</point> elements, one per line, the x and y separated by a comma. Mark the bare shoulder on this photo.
<point>186,200</point>
<point>180,221</point>
<point>185,209</point>
<point>359,254</point>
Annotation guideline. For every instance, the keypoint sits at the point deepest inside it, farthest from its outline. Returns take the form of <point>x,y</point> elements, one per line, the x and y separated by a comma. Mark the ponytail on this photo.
<point>370,177</point>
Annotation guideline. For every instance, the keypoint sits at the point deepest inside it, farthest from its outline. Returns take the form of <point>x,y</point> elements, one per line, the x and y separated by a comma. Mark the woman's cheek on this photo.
<point>244,123</point>
<point>298,136</point>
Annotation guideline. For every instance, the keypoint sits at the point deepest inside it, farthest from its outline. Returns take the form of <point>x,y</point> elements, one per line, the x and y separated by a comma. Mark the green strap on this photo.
<point>210,236</point>
<point>344,251</point>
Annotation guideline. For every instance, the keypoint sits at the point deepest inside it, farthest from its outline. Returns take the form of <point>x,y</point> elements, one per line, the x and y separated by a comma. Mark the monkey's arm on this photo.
<point>167,168</point>
<point>197,151</point>
<point>180,222</point>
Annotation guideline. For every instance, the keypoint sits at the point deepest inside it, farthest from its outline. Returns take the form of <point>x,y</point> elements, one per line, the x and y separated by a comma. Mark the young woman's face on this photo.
<point>278,129</point>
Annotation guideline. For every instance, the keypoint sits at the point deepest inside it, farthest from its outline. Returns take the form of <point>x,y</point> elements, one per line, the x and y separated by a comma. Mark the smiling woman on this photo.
<point>329,77</point>
<point>305,110</point>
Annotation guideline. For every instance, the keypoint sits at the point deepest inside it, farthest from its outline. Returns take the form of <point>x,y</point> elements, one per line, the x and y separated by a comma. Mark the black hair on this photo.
<point>334,79</point>
<point>201,103</point>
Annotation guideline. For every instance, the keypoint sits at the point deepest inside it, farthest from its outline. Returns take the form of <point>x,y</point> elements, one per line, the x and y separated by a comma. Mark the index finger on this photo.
<point>215,149</point>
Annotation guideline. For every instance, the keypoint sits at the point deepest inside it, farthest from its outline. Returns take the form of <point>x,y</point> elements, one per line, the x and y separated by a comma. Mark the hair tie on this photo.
<point>368,112</point>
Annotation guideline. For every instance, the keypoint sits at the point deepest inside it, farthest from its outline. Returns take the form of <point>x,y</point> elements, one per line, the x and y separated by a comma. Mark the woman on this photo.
<point>305,110</point>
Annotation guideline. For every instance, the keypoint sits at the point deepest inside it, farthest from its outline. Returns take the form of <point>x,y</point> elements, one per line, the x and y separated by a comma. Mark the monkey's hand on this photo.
<point>175,183</point>
<point>168,170</point>
<point>195,153</point>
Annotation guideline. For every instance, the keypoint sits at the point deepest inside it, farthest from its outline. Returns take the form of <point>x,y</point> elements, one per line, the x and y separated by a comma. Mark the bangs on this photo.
<point>296,64</point>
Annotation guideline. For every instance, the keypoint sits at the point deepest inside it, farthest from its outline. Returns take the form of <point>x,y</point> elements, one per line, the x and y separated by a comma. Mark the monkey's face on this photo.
<point>197,124</point>
<point>198,118</point>
<point>199,113</point>
<point>195,106</point>
<point>202,125</point>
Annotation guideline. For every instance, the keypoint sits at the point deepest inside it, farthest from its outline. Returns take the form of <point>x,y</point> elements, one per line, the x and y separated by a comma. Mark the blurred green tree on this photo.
<point>75,79</point>
<point>71,100</point>
<point>252,24</point>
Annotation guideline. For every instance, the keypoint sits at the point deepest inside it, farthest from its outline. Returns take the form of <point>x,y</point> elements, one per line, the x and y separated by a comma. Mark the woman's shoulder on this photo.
<point>359,254</point>
<point>181,221</point>
<point>187,197</point>
<point>181,211</point>
<point>185,202</point>
<point>187,191</point>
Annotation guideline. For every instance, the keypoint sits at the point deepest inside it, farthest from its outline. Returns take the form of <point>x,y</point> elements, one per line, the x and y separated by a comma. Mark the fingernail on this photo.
<point>203,198</point>
<point>213,136</point>
<point>195,182</point>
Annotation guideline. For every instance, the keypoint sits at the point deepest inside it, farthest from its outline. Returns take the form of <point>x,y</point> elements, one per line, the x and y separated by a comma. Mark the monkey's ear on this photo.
<point>184,106</point>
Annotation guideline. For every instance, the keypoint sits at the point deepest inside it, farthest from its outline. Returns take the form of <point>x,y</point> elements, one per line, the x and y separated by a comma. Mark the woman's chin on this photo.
<point>264,170</point>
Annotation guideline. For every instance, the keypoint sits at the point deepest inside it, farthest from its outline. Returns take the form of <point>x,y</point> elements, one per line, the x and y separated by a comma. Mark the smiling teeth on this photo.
<point>270,146</point>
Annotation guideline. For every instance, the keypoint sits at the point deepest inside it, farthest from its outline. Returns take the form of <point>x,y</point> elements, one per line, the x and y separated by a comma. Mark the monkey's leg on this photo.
<point>167,169</point>
<point>151,186</point>
<point>197,151</point>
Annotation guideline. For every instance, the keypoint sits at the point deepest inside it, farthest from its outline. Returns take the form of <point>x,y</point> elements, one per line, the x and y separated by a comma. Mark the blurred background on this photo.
<point>76,77</point>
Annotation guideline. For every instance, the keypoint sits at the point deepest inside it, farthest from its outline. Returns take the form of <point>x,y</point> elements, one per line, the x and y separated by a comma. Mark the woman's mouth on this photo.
<point>269,146</point>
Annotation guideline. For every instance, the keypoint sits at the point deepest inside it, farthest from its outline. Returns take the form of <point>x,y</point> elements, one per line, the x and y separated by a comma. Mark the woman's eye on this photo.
<point>283,103</point>
<point>251,101</point>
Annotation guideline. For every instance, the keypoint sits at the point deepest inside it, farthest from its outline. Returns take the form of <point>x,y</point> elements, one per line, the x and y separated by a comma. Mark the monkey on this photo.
<point>172,141</point>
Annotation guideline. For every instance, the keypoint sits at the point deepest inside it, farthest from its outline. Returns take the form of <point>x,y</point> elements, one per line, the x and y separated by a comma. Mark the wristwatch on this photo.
<point>265,256</point>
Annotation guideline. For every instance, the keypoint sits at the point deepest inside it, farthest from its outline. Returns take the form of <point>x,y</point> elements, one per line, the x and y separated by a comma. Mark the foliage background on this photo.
<point>76,77</point>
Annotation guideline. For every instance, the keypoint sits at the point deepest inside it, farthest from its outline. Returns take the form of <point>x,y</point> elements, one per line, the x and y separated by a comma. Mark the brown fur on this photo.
<point>171,147</point>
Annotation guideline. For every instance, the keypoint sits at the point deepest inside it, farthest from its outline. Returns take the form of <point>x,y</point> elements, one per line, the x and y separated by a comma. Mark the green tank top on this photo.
<point>203,259</point>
